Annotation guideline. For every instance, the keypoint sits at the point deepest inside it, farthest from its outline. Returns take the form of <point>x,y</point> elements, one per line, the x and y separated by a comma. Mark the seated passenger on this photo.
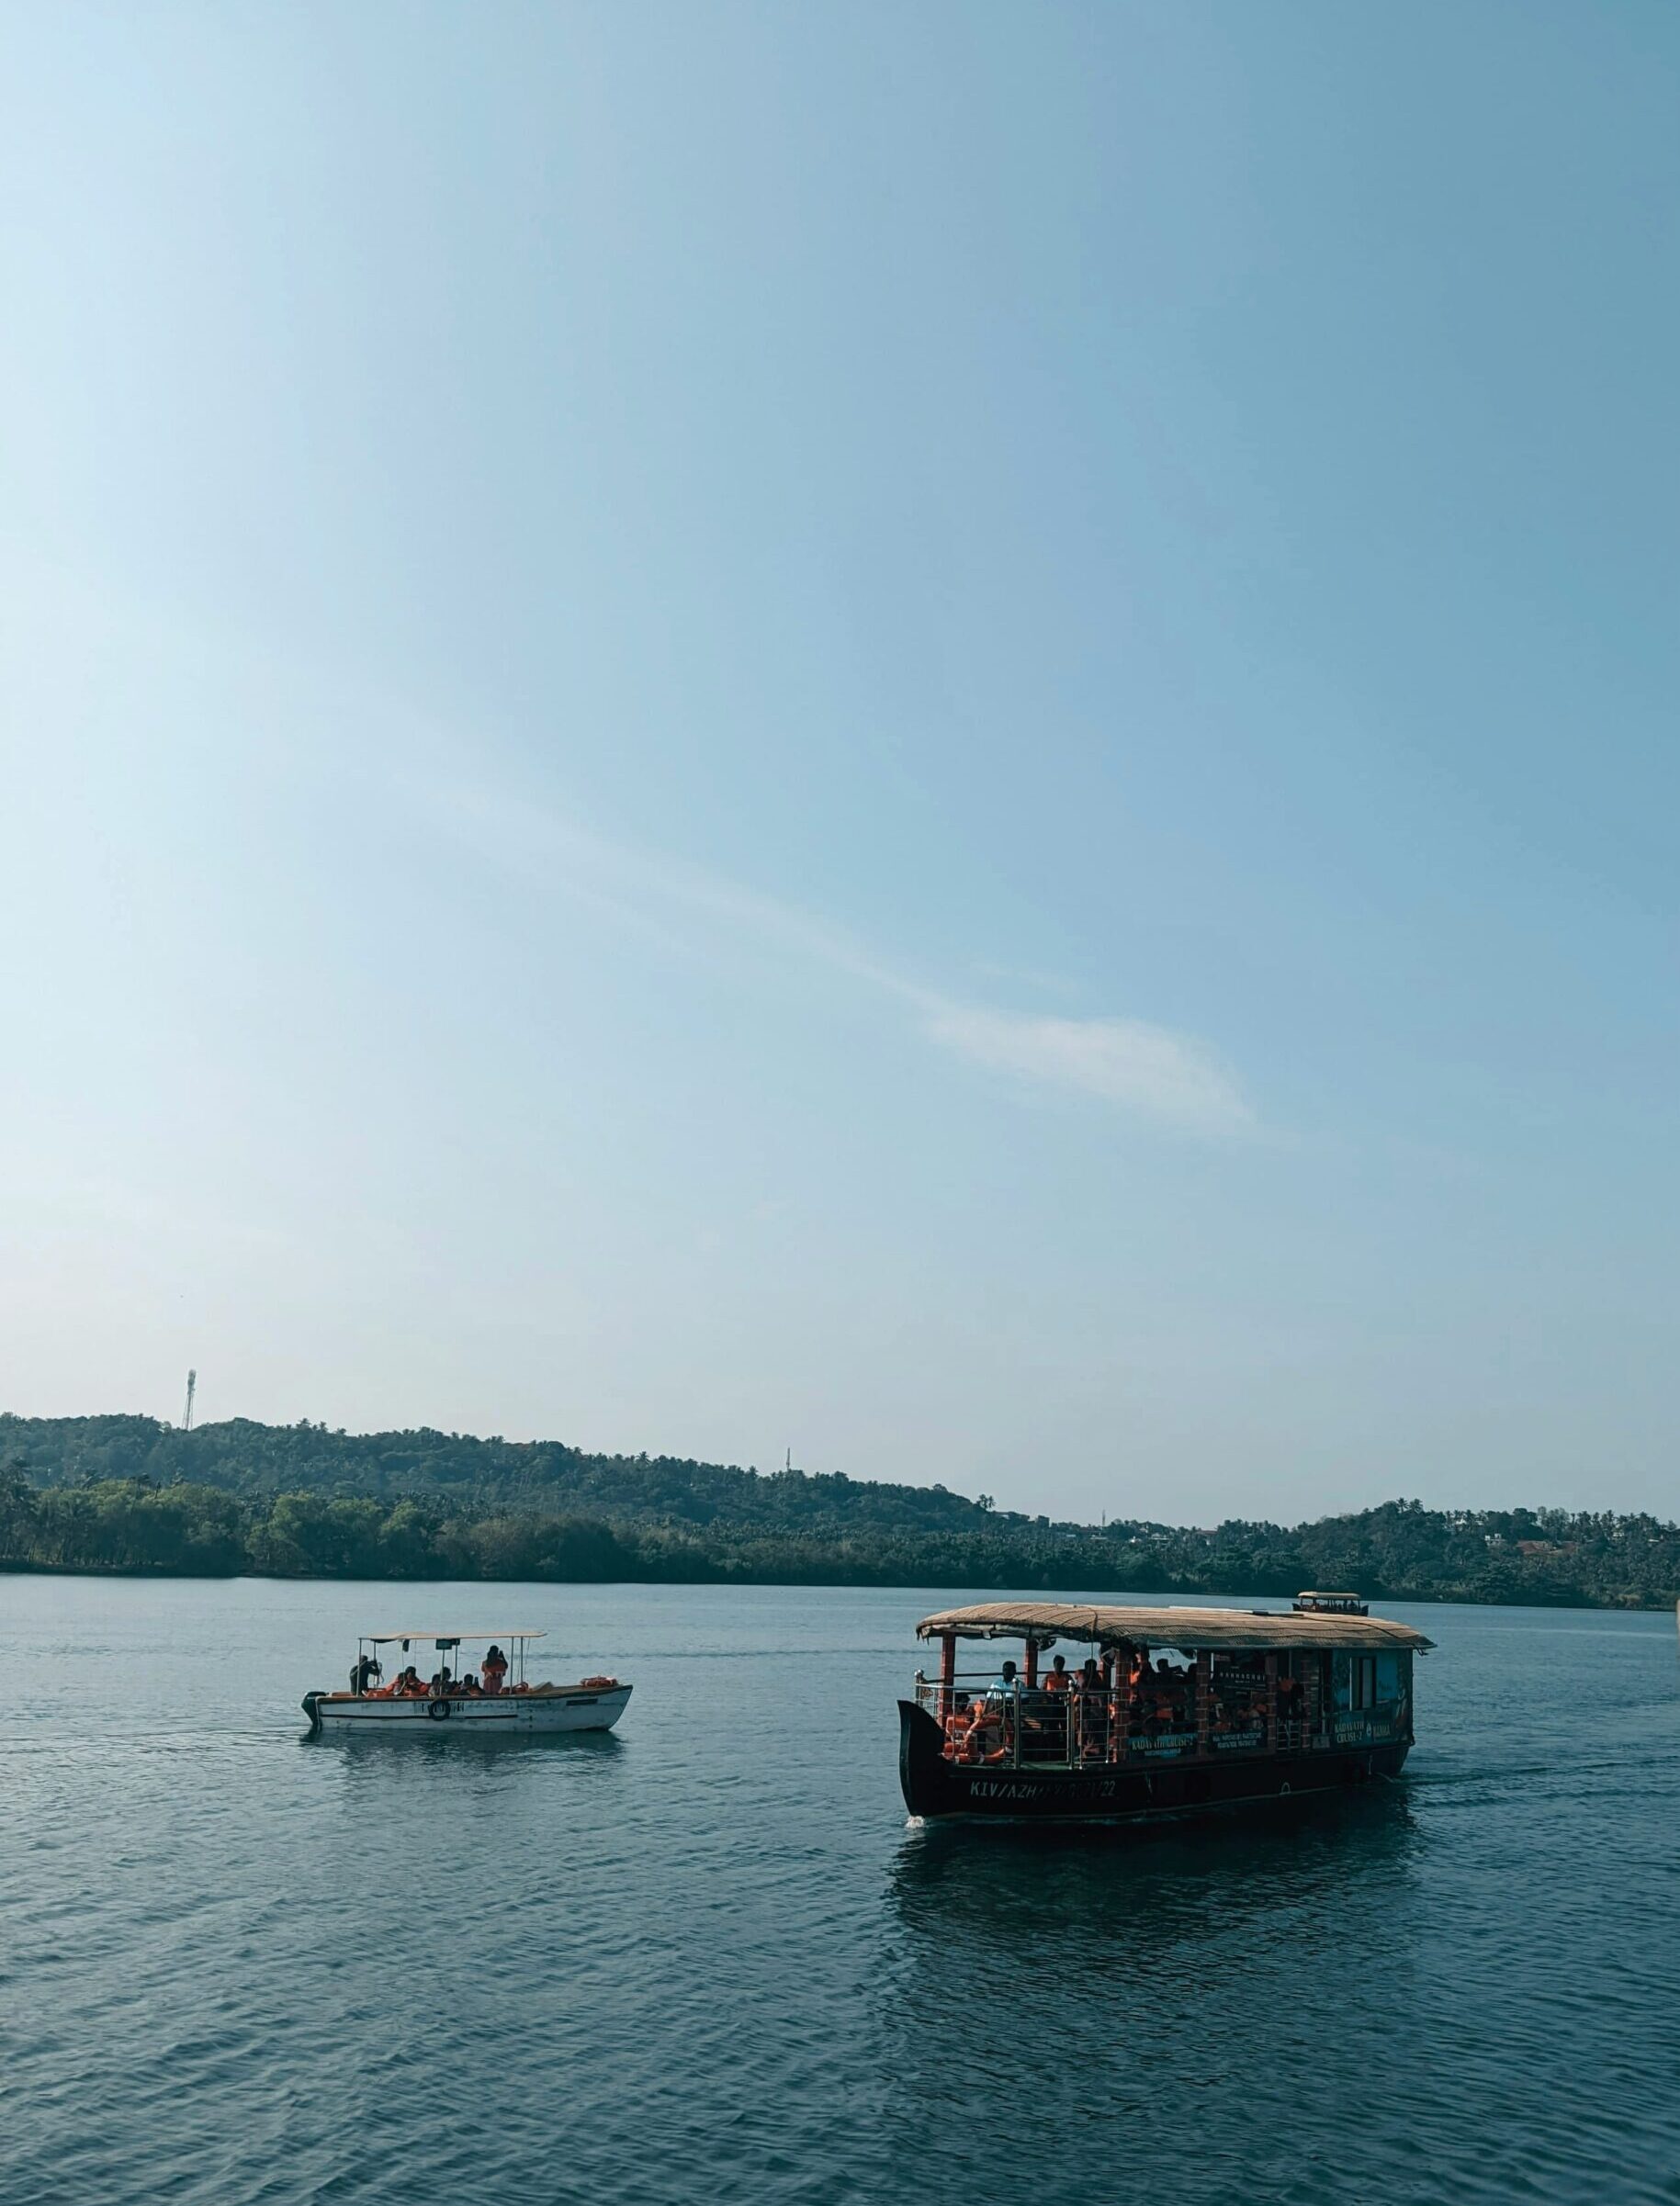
<point>1056,1678</point>
<point>957,1722</point>
<point>984,1741</point>
<point>443,1682</point>
<point>1168,1686</point>
<point>1003,1686</point>
<point>411,1684</point>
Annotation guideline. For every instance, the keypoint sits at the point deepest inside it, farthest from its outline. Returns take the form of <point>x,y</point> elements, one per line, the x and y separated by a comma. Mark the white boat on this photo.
<point>447,1706</point>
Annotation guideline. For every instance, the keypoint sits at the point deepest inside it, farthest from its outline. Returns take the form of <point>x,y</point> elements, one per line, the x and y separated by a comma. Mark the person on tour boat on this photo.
<point>1168,1690</point>
<point>443,1682</point>
<point>1002,1688</point>
<point>409,1685</point>
<point>364,1673</point>
<point>494,1670</point>
<point>985,1740</point>
<point>957,1723</point>
<point>1056,1678</point>
<point>1093,1711</point>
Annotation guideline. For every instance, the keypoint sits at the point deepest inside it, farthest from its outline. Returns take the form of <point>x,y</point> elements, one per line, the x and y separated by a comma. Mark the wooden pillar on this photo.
<point>1271,1704</point>
<point>1204,1679</point>
<point>947,1673</point>
<point>1120,1730</point>
<point>1032,1673</point>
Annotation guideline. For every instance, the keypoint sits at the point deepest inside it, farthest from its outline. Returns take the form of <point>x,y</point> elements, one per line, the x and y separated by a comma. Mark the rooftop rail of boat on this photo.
<point>446,1638</point>
<point>1231,1628</point>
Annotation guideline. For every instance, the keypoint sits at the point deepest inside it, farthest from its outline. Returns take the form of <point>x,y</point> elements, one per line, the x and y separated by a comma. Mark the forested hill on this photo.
<point>256,1460</point>
<point>129,1493</point>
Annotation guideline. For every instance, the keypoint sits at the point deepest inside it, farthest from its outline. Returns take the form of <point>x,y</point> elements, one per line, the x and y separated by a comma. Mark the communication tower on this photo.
<point>186,1421</point>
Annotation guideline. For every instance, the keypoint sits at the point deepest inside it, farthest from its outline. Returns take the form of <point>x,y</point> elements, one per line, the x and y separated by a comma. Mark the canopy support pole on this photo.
<point>1271,1704</point>
<point>1031,1678</point>
<point>947,1673</point>
<point>1204,1671</point>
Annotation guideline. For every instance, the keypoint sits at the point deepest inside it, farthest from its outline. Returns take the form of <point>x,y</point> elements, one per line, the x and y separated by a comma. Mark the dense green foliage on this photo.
<point>127,1494</point>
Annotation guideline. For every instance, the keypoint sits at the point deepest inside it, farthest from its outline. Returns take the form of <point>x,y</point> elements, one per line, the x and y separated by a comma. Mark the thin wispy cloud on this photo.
<point>1149,1072</point>
<point>1143,1068</point>
<point>682,911</point>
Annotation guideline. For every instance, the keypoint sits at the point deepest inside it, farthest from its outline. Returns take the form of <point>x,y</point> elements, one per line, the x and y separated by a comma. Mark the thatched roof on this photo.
<point>1236,1629</point>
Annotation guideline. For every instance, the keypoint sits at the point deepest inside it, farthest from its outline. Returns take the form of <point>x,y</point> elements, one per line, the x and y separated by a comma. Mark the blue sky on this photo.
<point>942,734</point>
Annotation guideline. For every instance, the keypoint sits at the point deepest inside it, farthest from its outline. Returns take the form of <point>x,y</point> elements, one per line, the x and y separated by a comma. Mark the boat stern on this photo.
<point>925,1776</point>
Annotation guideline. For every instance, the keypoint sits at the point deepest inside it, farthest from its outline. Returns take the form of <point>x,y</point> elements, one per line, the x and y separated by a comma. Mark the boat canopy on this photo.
<point>446,1638</point>
<point>1235,1629</point>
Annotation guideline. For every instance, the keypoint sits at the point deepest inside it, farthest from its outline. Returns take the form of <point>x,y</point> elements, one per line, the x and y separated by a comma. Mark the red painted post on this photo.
<point>1032,1676</point>
<point>947,1674</point>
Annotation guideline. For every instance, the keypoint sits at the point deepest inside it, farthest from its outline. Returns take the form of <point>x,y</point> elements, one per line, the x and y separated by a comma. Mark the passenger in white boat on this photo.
<point>494,1670</point>
<point>443,1682</point>
<point>364,1673</point>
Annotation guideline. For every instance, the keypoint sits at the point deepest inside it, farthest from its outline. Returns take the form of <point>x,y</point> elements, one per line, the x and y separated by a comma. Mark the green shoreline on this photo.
<point>164,1572</point>
<point>133,1497</point>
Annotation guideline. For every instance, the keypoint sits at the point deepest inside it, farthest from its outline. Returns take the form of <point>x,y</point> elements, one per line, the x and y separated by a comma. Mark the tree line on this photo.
<point>128,1494</point>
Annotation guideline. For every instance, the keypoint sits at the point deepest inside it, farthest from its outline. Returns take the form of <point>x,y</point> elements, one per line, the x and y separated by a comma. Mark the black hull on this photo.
<point>1121,1793</point>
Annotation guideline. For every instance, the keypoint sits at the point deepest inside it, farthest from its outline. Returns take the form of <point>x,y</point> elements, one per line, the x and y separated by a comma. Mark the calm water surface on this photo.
<point>704,1958</point>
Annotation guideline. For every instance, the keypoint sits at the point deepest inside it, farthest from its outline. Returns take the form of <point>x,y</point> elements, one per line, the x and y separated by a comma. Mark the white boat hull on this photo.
<point>501,1715</point>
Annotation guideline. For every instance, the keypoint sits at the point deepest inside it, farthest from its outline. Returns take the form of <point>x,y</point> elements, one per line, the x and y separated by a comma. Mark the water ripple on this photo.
<point>705,1958</point>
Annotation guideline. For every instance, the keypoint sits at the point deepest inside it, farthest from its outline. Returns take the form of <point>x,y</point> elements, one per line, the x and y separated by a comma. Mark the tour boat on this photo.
<point>1330,1604</point>
<point>1240,1706</point>
<point>594,1703</point>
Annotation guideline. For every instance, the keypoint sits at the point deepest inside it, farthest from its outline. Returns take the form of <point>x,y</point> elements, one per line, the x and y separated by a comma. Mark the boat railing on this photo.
<point>1031,1726</point>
